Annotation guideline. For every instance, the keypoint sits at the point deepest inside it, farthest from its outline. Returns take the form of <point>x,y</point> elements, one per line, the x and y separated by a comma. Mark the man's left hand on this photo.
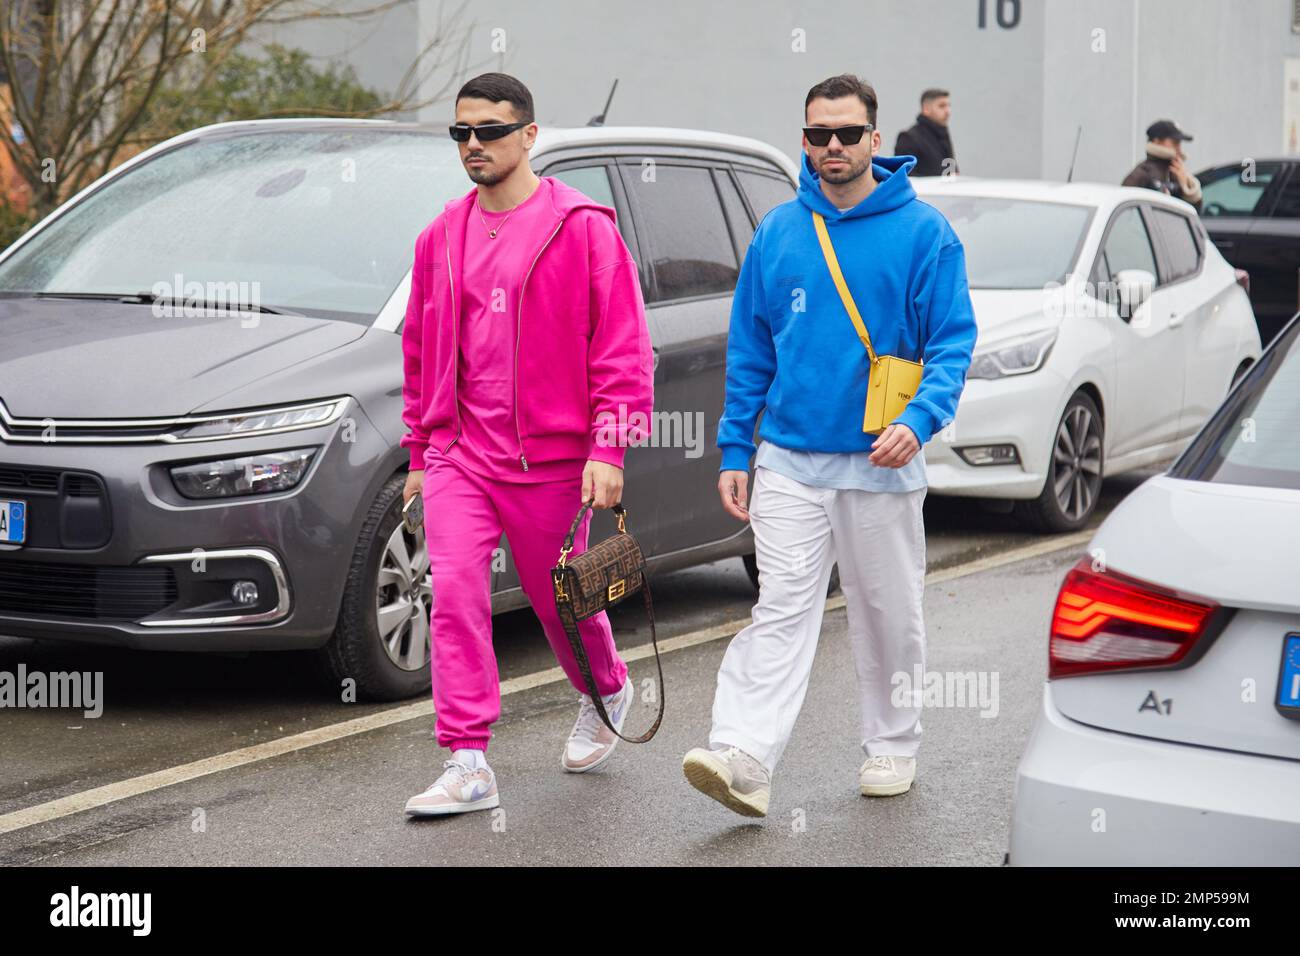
<point>603,480</point>
<point>894,447</point>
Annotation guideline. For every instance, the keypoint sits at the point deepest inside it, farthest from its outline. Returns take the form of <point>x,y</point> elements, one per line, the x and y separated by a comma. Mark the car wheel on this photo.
<point>751,568</point>
<point>1074,474</point>
<point>381,639</point>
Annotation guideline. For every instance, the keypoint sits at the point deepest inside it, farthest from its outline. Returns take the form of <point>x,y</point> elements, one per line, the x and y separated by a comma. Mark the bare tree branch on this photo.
<point>85,75</point>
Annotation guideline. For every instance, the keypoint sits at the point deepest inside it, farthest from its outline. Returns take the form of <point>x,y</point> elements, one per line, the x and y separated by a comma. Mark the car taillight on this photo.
<point>1107,621</point>
<point>1243,279</point>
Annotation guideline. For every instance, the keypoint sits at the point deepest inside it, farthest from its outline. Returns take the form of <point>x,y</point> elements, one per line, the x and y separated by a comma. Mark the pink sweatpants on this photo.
<point>464,515</point>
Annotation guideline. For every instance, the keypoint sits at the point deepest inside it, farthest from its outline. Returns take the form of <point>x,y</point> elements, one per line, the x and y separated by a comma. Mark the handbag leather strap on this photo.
<point>618,510</point>
<point>832,263</point>
<point>569,620</point>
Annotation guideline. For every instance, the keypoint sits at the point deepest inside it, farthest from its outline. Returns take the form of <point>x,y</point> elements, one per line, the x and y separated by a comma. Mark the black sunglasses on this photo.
<point>848,135</point>
<point>485,133</point>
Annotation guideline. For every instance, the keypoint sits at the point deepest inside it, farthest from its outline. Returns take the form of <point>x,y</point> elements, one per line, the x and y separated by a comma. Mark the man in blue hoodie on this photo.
<point>825,491</point>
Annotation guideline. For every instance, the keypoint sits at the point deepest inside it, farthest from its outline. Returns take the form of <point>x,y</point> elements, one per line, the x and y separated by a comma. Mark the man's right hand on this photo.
<point>414,485</point>
<point>733,486</point>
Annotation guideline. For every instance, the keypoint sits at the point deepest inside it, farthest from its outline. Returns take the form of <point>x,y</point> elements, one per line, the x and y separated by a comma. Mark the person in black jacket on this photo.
<point>1163,168</point>
<point>929,140</point>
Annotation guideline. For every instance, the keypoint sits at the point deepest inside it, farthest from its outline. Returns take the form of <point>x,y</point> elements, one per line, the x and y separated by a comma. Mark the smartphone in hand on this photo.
<point>413,513</point>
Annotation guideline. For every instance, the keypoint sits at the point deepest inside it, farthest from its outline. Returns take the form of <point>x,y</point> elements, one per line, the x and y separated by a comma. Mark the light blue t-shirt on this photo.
<point>823,469</point>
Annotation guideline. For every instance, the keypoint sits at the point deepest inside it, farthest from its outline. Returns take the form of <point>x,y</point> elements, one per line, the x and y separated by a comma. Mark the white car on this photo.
<point>1110,328</point>
<point>1169,732</point>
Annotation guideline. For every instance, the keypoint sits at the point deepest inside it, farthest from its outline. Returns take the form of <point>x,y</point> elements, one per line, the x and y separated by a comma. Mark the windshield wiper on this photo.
<point>187,303</point>
<point>148,298</point>
<point>101,296</point>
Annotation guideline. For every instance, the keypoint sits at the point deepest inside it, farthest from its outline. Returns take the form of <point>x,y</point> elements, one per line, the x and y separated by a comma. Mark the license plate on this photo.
<point>1288,683</point>
<point>13,522</point>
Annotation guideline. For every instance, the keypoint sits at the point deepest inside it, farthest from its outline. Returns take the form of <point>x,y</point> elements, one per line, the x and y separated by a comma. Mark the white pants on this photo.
<point>878,538</point>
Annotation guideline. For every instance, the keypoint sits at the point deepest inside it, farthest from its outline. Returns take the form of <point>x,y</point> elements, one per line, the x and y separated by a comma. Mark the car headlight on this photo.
<point>1018,357</point>
<point>264,473</point>
<point>262,421</point>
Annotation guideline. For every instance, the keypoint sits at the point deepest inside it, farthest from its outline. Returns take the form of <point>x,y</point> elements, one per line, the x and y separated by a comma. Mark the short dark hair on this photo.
<point>846,84</point>
<point>497,88</point>
<point>933,93</point>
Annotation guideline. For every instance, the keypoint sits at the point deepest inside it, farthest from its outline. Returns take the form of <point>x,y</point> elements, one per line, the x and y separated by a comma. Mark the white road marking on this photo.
<point>136,786</point>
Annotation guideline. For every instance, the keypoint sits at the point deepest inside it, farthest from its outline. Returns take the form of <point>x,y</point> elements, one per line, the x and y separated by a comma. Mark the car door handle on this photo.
<point>1175,319</point>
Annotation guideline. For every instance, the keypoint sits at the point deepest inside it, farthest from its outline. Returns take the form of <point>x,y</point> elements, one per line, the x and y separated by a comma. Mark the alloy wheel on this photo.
<point>403,599</point>
<point>1076,462</point>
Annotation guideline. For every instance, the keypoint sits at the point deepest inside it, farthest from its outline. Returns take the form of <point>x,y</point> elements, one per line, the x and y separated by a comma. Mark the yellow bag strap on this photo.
<point>828,250</point>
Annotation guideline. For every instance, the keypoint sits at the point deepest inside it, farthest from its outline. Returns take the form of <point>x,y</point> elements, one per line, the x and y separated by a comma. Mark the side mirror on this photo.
<point>1132,288</point>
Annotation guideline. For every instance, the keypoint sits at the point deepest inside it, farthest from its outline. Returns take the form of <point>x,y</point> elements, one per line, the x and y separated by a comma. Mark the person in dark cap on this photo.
<point>1163,169</point>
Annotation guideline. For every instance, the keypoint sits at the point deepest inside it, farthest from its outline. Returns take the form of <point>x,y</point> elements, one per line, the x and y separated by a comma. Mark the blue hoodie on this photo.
<point>792,348</point>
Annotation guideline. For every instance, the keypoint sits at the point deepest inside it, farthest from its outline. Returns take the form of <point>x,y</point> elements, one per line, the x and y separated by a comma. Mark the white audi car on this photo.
<point>1169,732</point>
<point>1110,328</point>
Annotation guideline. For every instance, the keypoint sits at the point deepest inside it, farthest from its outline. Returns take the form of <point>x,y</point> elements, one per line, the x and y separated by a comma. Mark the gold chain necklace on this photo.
<point>492,233</point>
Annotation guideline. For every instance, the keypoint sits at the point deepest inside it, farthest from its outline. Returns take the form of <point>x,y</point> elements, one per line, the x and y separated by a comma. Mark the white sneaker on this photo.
<point>730,776</point>
<point>886,776</point>
<point>459,790</point>
<point>591,742</point>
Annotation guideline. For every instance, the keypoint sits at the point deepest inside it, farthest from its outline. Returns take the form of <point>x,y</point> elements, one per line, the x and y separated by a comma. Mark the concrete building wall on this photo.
<point>1021,87</point>
<point>380,47</point>
<point>1213,66</point>
<point>745,67</point>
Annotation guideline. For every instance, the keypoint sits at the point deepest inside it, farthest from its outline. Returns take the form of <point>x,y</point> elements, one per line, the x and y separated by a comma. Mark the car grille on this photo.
<point>85,592</point>
<point>97,431</point>
<point>40,479</point>
<point>65,509</point>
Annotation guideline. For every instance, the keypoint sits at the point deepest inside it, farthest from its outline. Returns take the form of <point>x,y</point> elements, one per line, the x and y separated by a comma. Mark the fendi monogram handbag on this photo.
<point>602,576</point>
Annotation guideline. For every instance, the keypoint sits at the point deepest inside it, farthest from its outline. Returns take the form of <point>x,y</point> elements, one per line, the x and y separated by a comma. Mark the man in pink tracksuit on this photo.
<point>526,356</point>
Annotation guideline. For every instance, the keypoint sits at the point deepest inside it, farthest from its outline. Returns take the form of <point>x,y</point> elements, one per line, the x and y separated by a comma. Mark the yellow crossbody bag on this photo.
<point>892,381</point>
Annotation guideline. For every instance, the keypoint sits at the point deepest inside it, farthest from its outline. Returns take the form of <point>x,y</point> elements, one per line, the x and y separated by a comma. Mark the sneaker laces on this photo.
<point>748,763</point>
<point>589,723</point>
<point>453,769</point>
<point>881,763</point>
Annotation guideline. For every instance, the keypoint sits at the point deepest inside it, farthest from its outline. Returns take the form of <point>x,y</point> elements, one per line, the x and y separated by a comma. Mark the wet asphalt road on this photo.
<point>341,802</point>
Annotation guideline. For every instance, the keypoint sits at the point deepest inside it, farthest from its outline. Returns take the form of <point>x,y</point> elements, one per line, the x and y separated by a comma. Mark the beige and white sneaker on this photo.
<point>590,742</point>
<point>886,776</point>
<point>459,790</point>
<point>730,776</point>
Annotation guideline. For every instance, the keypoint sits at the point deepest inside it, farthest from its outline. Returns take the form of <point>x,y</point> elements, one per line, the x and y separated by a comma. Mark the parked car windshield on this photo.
<point>1252,439</point>
<point>1014,243</point>
<point>313,220</point>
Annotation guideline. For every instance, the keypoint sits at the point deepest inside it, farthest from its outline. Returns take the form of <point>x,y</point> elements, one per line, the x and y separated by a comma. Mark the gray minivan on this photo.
<point>200,383</point>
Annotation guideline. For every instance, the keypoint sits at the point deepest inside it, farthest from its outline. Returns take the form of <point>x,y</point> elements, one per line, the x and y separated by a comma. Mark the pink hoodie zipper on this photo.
<point>519,320</point>
<point>455,348</point>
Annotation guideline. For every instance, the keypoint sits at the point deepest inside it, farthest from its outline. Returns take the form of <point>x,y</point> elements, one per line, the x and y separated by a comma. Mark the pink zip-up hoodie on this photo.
<point>584,367</point>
